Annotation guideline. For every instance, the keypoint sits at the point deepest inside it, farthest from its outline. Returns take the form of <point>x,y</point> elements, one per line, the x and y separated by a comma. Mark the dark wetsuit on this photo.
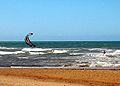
<point>104,52</point>
<point>28,42</point>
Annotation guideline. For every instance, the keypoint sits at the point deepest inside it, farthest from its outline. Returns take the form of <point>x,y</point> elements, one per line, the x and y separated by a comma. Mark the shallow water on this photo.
<point>73,54</point>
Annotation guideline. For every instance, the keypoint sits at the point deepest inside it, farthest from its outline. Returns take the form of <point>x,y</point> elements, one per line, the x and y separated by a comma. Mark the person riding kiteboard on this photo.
<point>27,40</point>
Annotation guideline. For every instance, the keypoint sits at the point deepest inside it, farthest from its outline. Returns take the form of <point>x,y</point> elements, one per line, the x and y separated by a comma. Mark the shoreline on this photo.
<point>73,77</point>
<point>78,68</point>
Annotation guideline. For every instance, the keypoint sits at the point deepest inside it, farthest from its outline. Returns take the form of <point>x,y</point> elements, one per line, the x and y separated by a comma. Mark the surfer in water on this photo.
<point>104,52</point>
<point>27,40</point>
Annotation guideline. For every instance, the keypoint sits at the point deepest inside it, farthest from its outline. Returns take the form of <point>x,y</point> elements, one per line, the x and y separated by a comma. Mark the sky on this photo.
<point>56,20</point>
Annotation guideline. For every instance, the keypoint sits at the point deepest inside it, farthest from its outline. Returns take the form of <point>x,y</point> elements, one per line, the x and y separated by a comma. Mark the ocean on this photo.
<point>61,54</point>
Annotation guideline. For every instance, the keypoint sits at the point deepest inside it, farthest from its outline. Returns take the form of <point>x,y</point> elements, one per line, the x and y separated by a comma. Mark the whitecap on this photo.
<point>101,64</point>
<point>96,49</point>
<point>116,65</point>
<point>22,57</point>
<point>7,48</point>
<point>37,53</point>
<point>7,53</point>
<point>59,51</point>
<point>35,49</point>
<point>115,53</point>
<point>76,53</point>
<point>101,49</point>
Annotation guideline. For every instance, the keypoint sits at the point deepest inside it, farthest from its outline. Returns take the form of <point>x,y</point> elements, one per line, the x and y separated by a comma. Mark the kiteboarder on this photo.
<point>27,40</point>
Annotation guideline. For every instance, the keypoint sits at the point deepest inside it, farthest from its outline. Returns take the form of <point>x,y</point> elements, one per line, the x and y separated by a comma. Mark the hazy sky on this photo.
<point>60,19</point>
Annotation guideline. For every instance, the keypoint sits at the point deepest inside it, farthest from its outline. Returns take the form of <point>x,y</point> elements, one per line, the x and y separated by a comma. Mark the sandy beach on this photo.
<point>58,77</point>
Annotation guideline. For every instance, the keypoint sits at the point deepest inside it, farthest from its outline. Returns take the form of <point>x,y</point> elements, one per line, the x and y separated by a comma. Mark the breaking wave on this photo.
<point>32,51</point>
<point>7,53</point>
<point>35,49</point>
<point>62,57</point>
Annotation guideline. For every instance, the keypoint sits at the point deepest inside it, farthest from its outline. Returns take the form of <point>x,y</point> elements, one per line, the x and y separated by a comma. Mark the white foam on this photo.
<point>35,49</point>
<point>76,53</point>
<point>59,51</point>
<point>7,48</point>
<point>100,49</point>
<point>36,53</point>
<point>22,57</point>
<point>115,53</point>
<point>7,53</point>
<point>96,49</point>
<point>116,65</point>
<point>95,54</point>
<point>83,65</point>
<point>101,64</point>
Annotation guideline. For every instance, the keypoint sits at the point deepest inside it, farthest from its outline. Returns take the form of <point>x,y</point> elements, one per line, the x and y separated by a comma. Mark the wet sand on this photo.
<point>58,77</point>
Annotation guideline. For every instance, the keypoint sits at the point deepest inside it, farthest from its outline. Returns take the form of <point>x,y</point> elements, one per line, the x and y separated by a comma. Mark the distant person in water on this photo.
<point>27,40</point>
<point>104,52</point>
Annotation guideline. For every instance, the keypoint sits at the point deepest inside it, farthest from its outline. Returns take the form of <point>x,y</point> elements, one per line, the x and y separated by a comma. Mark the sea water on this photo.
<point>63,54</point>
